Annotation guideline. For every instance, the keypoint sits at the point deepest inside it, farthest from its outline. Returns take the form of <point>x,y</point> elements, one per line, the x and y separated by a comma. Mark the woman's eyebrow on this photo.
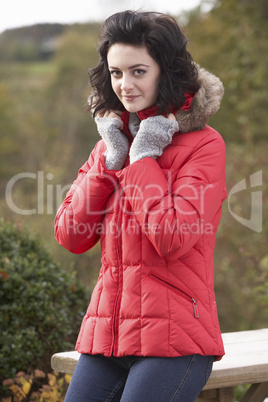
<point>138,65</point>
<point>129,68</point>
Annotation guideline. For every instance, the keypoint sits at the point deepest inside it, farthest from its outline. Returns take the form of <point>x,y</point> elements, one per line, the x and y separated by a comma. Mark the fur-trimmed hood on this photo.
<point>205,102</point>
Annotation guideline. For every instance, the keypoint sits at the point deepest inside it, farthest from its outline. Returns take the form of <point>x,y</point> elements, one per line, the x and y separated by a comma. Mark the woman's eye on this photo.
<point>139,72</point>
<point>115,73</point>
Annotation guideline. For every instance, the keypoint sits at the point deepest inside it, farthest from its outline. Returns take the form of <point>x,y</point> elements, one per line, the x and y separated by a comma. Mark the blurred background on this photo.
<point>45,134</point>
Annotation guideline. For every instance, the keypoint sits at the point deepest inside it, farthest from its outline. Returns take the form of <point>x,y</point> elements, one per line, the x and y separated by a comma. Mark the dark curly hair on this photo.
<point>166,44</point>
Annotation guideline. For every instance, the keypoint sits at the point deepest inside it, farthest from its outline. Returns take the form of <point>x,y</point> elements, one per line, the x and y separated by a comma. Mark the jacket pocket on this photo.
<point>178,291</point>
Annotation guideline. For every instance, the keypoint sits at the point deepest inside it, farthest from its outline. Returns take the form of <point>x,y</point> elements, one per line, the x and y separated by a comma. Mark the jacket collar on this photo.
<point>197,108</point>
<point>154,111</point>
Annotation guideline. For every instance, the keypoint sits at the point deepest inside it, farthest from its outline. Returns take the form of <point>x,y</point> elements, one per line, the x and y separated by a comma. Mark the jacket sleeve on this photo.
<point>81,213</point>
<point>174,216</point>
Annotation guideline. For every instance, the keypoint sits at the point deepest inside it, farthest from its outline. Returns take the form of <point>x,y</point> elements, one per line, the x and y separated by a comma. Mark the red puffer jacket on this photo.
<point>156,220</point>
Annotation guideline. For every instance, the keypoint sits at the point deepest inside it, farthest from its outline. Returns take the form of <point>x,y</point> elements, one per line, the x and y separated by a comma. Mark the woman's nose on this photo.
<point>127,83</point>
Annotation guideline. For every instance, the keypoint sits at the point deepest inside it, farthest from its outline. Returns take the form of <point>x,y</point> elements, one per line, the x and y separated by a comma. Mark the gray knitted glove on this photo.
<point>115,140</point>
<point>154,135</point>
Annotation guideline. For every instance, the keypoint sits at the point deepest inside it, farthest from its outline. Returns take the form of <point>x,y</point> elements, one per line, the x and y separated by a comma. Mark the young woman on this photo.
<point>151,191</point>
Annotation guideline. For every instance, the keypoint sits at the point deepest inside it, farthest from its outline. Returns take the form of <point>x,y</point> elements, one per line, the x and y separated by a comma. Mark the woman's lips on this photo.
<point>130,97</point>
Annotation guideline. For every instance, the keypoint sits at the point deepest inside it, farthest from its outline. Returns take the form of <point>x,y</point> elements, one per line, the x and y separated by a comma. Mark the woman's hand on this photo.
<point>154,135</point>
<point>109,125</point>
<point>112,114</point>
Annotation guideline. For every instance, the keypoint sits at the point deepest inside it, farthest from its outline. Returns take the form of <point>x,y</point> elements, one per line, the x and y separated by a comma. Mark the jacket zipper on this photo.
<point>115,323</point>
<point>118,295</point>
<point>182,292</point>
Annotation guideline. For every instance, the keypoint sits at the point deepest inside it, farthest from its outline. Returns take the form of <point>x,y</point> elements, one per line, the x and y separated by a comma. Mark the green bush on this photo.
<point>41,305</point>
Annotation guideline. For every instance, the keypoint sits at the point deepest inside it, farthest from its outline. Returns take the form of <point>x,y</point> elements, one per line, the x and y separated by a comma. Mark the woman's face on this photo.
<point>135,76</point>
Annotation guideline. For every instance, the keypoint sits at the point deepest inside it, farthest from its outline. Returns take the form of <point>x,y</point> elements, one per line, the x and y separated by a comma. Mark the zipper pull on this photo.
<point>195,307</point>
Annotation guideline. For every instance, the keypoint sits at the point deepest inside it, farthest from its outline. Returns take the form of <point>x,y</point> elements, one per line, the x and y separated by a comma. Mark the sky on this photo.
<point>17,13</point>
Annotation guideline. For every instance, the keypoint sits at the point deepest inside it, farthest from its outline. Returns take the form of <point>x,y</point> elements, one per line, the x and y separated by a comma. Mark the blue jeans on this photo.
<point>139,379</point>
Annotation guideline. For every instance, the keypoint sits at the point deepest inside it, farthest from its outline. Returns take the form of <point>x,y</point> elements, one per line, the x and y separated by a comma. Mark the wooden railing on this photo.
<point>245,362</point>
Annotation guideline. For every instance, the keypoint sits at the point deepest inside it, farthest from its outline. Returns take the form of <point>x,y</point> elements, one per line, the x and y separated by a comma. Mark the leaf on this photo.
<point>8,381</point>
<point>27,387</point>
<point>52,380</point>
<point>39,374</point>
<point>18,392</point>
<point>68,378</point>
<point>4,274</point>
<point>20,374</point>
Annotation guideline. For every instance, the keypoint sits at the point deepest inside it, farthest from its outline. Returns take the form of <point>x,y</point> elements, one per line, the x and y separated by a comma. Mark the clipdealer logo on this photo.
<point>50,195</point>
<point>256,208</point>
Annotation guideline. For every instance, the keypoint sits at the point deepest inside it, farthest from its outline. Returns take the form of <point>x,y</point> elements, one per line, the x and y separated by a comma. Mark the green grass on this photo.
<point>27,75</point>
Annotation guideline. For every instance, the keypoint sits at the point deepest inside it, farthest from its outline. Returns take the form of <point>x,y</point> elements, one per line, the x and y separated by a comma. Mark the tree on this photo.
<point>231,41</point>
